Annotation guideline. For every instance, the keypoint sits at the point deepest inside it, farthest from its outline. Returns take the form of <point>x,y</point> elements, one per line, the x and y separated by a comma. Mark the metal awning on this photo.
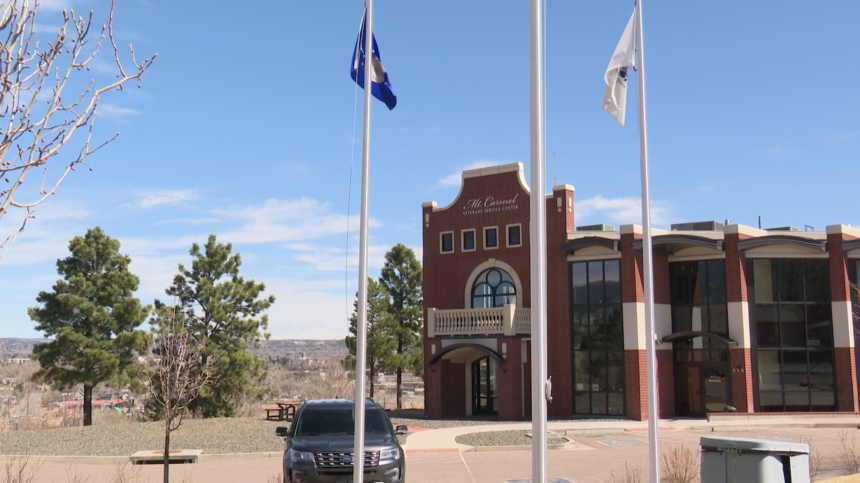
<point>850,245</point>
<point>466,345</point>
<point>689,334</point>
<point>766,241</point>
<point>570,248</point>
<point>676,243</point>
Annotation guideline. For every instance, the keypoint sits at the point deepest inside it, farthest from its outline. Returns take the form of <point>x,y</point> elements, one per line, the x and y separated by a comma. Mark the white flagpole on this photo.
<point>361,328</point>
<point>537,240</point>
<point>650,353</point>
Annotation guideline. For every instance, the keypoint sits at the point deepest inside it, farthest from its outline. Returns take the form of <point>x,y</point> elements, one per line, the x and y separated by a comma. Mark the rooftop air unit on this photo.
<point>698,226</point>
<point>596,228</point>
<point>783,228</point>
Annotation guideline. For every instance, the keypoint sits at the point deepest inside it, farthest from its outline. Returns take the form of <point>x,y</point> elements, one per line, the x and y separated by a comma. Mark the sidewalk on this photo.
<point>443,440</point>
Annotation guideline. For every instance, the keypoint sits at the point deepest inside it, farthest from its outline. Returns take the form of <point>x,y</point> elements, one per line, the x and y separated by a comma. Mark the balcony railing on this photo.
<point>506,320</point>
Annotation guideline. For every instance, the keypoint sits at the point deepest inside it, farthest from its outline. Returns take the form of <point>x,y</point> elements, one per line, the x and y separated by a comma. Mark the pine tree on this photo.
<point>403,279</point>
<point>380,342</point>
<point>93,318</point>
<point>222,310</point>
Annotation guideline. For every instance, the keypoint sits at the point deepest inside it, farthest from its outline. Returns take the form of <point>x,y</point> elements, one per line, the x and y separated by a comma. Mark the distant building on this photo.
<point>747,319</point>
<point>18,360</point>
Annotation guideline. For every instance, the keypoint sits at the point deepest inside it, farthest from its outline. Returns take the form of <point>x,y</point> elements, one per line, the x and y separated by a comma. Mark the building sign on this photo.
<point>490,204</point>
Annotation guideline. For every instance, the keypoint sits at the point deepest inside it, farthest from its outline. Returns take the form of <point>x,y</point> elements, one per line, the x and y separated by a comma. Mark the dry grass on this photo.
<point>19,470</point>
<point>815,459</point>
<point>632,474</point>
<point>72,475</point>
<point>126,473</point>
<point>679,464</point>
<point>848,455</point>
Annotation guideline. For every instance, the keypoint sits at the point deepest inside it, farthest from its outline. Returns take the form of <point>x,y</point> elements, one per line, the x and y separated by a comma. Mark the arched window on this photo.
<point>493,288</point>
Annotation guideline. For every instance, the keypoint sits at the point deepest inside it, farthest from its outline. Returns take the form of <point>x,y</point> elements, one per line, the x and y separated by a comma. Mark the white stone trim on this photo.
<point>633,314</point>
<point>785,251</point>
<point>609,255</point>
<point>739,323</point>
<point>843,324</point>
<point>493,263</point>
<point>844,230</point>
<point>662,325</point>
<point>743,230</point>
<point>609,235</point>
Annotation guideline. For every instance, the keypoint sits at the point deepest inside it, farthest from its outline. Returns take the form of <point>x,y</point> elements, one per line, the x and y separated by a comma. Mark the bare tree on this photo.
<point>176,381</point>
<point>36,120</point>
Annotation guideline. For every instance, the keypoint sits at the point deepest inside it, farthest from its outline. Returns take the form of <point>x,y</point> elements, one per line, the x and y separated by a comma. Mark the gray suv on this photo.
<point>320,444</point>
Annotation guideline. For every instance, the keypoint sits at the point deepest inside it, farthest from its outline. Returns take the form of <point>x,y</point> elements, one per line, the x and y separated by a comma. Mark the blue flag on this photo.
<point>381,87</point>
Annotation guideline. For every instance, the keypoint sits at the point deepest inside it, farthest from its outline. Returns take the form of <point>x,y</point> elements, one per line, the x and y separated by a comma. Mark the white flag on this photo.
<point>615,99</point>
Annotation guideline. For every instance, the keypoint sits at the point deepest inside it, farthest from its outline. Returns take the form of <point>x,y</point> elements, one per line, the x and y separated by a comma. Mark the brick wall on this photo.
<point>559,364</point>
<point>742,384</point>
<point>736,281</point>
<point>636,391</point>
<point>666,384</point>
<point>454,397</point>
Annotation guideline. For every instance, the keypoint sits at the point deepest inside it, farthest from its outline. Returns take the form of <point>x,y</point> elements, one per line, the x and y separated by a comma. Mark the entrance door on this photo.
<point>702,388</point>
<point>484,387</point>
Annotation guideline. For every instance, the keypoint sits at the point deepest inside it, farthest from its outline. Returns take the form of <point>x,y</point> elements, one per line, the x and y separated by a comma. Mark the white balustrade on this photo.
<point>507,320</point>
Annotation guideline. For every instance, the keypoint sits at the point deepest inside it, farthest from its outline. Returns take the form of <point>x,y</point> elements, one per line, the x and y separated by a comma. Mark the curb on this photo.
<point>111,460</point>
<point>477,449</point>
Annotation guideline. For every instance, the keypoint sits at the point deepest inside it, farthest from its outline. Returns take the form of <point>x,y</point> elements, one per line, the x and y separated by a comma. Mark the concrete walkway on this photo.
<point>444,440</point>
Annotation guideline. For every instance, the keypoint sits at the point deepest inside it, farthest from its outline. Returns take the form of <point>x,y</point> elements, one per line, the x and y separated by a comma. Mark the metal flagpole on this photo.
<point>361,328</point>
<point>651,356</point>
<point>537,240</point>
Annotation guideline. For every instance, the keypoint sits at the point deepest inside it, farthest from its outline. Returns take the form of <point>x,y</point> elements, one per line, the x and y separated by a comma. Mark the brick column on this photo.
<point>845,366</point>
<point>633,306</point>
<point>739,318</point>
<point>510,379</point>
<point>559,221</point>
<point>663,327</point>
<point>454,401</point>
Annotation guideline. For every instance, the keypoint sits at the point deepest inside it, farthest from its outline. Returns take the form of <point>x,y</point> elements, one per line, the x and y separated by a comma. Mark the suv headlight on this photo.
<point>301,456</point>
<point>388,454</point>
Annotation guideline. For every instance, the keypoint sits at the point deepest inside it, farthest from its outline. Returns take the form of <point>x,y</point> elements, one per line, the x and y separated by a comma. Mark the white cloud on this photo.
<point>288,221</point>
<point>333,259</point>
<point>838,138</point>
<point>620,211</point>
<point>164,197</point>
<point>308,310</point>
<point>454,178</point>
<point>112,111</point>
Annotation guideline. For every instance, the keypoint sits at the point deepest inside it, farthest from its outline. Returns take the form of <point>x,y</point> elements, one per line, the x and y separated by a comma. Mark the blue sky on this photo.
<point>243,128</point>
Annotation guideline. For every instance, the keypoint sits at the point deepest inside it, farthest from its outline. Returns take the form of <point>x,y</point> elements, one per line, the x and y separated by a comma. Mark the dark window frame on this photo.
<point>519,228</point>
<point>442,241</point>
<point>463,234</point>
<point>495,231</point>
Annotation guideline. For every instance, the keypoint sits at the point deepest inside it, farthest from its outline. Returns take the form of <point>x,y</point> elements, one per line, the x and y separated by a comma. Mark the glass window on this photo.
<point>598,338</point>
<point>491,238</point>
<point>514,236</point>
<point>792,318</point>
<point>447,242</point>
<point>493,288</point>
<point>468,240</point>
<point>699,297</point>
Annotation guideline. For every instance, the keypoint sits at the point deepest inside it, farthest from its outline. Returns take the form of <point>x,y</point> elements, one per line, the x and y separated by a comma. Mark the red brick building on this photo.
<point>747,319</point>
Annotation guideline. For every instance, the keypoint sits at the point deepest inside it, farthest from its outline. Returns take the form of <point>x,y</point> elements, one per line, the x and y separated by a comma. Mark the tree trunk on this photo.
<point>399,380</point>
<point>88,405</point>
<point>167,447</point>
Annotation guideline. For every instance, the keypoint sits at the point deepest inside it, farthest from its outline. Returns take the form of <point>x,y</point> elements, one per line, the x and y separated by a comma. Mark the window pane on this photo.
<point>583,401</point>
<point>764,280</point>
<point>598,403</point>
<point>616,403</point>
<point>795,380</point>
<point>767,325</point>
<point>792,325</point>
<point>682,283</point>
<point>482,302</point>
<point>616,371</point>
<point>821,381</point>
<point>683,320</point>
<point>819,325</point>
<point>700,318</point>
<point>700,278</point>
<point>598,330</point>
<point>614,327</point>
<point>790,280</point>
<point>613,281</point>
<point>582,370</point>
<point>513,235</point>
<point>718,319</point>
<point>595,282</point>
<point>769,371</point>
<point>494,277</point>
<point>448,242</point>
<point>598,371</point>
<point>468,240</point>
<point>770,401</point>
<point>580,327</point>
<point>717,281</point>
<point>817,281</point>
<point>491,241</point>
<point>580,283</point>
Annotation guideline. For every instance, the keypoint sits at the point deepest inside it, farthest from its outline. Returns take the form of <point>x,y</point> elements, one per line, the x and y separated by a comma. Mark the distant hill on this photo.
<point>313,349</point>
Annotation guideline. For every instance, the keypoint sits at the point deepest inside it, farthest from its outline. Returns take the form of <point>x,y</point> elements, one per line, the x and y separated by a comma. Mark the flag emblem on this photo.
<point>380,85</point>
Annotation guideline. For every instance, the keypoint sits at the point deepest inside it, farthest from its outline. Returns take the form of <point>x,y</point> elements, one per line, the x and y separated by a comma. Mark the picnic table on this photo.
<point>285,411</point>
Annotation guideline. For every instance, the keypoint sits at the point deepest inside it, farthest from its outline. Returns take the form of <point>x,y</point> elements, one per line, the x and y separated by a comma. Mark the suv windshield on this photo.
<point>316,421</point>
